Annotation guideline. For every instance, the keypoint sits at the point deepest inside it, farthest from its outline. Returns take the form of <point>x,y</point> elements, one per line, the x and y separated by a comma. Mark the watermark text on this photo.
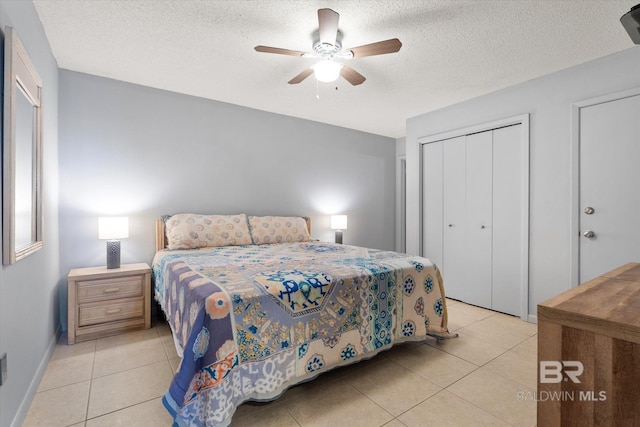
<point>562,396</point>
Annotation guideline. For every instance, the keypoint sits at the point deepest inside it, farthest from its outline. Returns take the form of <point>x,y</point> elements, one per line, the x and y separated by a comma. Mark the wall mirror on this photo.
<point>21,153</point>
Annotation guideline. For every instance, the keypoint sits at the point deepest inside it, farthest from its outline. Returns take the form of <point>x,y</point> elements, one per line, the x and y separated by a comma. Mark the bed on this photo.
<point>256,306</point>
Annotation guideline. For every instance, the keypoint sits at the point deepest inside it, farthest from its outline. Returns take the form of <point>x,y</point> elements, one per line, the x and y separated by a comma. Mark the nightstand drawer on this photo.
<point>110,289</point>
<point>109,312</point>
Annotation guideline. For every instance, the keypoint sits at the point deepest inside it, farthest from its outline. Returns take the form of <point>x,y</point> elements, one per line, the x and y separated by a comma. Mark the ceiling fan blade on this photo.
<point>269,49</point>
<point>328,25</point>
<point>352,76</point>
<point>300,77</point>
<point>378,48</point>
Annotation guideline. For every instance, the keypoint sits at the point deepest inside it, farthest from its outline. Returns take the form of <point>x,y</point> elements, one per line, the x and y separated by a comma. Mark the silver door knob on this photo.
<point>589,210</point>
<point>589,234</point>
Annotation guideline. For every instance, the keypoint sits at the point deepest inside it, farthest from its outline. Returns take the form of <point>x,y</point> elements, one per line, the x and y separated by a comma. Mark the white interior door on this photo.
<point>609,179</point>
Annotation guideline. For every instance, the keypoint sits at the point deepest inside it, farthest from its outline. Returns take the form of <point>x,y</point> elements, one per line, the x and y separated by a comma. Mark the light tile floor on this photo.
<point>474,379</point>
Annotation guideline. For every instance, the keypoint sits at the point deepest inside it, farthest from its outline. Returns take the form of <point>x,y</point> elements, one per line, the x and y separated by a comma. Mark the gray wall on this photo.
<point>548,100</point>
<point>132,150</point>
<point>29,313</point>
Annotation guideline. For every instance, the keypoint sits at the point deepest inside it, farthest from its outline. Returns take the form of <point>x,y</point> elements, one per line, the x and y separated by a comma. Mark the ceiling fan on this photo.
<point>327,46</point>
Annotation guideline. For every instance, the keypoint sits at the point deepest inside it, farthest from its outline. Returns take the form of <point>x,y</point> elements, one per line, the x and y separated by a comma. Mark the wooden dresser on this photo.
<point>596,324</point>
<point>108,301</point>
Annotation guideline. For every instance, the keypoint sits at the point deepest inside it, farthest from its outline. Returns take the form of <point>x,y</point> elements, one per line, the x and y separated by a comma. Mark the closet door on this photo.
<point>454,214</point>
<point>479,237</point>
<point>432,186</point>
<point>508,233</point>
<point>478,211</point>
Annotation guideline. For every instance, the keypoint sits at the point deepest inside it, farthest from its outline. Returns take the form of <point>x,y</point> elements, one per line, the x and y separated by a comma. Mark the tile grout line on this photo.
<point>93,364</point>
<point>473,404</point>
<point>120,409</point>
<point>469,373</point>
<point>114,373</point>
<point>461,398</point>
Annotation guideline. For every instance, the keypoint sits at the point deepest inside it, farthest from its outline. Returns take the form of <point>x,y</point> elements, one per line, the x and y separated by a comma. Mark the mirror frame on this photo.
<point>19,70</point>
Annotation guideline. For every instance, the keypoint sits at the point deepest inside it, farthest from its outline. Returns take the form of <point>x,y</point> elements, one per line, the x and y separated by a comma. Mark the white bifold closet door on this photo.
<point>478,220</point>
<point>509,220</point>
<point>472,216</point>
<point>453,205</point>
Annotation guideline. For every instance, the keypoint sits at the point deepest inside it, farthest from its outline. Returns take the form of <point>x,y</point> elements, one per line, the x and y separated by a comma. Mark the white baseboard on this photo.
<point>532,318</point>
<point>21,415</point>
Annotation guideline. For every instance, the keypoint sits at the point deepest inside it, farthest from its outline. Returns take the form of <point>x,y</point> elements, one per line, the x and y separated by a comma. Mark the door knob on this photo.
<point>589,210</point>
<point>589,234</point>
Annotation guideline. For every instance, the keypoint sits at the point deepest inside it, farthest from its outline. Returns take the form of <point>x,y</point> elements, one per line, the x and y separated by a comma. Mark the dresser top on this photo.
<point>609,304</point>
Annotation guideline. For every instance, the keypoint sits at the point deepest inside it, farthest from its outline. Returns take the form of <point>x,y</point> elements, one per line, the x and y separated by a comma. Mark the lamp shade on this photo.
<point>113,227</point>
<point>327,71</point>
<point>338,222</point>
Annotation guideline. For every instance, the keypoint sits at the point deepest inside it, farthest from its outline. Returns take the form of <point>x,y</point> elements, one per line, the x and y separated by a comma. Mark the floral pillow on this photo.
<point>190,231</point>
<point>278,229</point>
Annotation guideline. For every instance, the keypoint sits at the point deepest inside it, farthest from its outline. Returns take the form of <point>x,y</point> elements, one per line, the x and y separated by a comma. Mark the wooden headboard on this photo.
<point>161,236</point>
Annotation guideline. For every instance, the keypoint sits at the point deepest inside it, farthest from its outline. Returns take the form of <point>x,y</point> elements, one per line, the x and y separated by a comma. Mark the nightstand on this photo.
<point>105,301</point>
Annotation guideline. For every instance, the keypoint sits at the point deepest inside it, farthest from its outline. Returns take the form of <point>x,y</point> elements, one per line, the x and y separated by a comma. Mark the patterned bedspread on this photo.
<point>254,320</point>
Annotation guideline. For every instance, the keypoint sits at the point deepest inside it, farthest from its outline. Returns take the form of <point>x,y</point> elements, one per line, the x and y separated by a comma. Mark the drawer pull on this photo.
<point>111,290</point>
<point>113,310</point>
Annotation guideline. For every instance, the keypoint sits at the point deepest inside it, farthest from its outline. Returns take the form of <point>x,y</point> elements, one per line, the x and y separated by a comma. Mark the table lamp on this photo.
<point>113,228</point>
<point>338,223</point>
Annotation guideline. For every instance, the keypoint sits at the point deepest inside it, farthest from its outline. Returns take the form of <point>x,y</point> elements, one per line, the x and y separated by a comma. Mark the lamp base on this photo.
<point>339,237</point>
<point>113,254</point>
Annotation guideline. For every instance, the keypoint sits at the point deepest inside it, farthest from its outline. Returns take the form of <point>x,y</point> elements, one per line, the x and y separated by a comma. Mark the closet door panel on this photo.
<point>454,245</point>
<point>507,219</point>
<point>432,199</point>
<point>478,218</point>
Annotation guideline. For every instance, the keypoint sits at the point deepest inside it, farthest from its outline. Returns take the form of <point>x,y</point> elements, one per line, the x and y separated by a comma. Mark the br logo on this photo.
<point>554,372</point>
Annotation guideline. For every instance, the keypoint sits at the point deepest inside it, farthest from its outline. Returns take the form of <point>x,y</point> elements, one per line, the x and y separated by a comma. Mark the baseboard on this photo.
<point>21,415</point>
<point>532,318</point>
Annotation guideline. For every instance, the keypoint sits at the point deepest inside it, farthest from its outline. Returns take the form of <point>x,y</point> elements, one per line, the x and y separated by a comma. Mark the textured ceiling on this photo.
<point>452,50</point>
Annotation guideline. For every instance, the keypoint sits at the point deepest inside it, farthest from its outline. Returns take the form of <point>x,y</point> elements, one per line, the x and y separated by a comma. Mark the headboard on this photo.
<point>161,235</point>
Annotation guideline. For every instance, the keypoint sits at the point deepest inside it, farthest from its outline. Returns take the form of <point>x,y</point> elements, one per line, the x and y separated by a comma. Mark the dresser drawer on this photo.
<point>110,289</point>
<point>109,312</point>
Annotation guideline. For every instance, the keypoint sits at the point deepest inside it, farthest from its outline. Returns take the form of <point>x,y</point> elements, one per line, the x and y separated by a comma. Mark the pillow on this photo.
<point>190,231</point>
<point>278,229</point>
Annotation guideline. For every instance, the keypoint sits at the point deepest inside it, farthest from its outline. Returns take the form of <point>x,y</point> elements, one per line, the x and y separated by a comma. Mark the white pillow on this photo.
<point>278,229</point>
<point>190,231</point>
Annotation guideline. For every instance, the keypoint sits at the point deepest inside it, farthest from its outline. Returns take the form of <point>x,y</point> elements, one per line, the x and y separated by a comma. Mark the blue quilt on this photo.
<point>254,320</point>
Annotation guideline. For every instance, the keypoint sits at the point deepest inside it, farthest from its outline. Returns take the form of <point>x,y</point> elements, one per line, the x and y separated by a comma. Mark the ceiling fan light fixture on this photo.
<point>327,71</point>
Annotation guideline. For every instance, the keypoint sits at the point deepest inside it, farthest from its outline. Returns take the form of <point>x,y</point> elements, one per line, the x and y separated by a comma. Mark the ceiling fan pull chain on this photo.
<point>317,90</point>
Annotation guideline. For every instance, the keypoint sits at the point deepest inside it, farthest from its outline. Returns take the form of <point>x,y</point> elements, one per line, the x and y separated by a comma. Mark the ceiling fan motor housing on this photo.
<point>326,50</point>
